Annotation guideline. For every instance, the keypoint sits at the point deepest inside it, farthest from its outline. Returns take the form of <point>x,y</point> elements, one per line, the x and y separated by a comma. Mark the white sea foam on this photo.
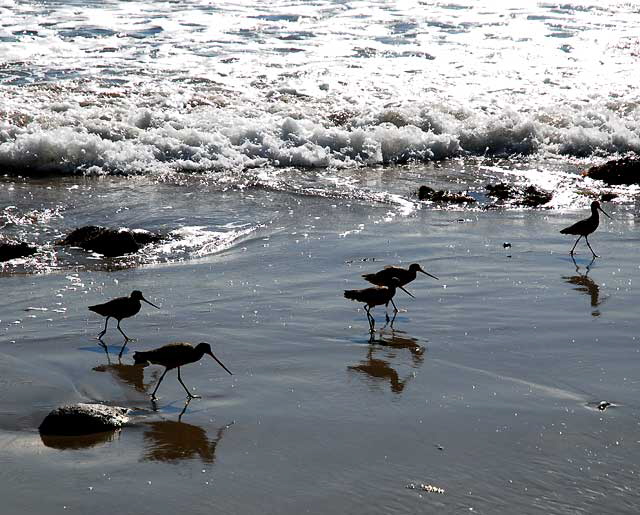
<point>139,88</point>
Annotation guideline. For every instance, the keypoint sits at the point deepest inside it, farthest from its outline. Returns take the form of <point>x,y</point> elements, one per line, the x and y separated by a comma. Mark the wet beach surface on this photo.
<point>487,388</point>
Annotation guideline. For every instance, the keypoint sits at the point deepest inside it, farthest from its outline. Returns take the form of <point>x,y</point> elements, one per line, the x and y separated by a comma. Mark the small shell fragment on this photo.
<point>425,488</point>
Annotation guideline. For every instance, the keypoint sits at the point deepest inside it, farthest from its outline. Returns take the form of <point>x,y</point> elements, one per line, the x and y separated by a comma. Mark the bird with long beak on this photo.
<point>122,307</point>
<point>586,227</point>
<point>376,296</point>
<point>175,355</point>
<point>404,275</point>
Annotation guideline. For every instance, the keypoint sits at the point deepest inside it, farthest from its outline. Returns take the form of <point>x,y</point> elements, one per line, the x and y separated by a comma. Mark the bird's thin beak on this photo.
<point>406,292</point>
<point>427,273</point>
<point>604,212</point>
<point>220,363</point>
<point>150,303</point>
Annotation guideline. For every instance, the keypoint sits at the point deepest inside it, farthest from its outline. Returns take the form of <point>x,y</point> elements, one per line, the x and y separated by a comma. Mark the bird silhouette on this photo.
<point>405,276</point>
<point>585,227</point>
<point>122,307</point>
<point>175,355</point>
<point>376,296</point>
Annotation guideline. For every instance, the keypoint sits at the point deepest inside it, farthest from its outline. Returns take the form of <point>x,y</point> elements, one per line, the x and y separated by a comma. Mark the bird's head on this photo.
<point>137,295</point>
<point>595,206</point>
<point>205,348</point>
<point>415,267</point>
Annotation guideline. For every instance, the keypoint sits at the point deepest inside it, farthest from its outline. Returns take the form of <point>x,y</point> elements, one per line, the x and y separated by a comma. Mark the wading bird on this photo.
<point>586,227</point>
<point>122,307</point>
<point>405,276</point>
<point>376,296</point>
<point>175,355</point>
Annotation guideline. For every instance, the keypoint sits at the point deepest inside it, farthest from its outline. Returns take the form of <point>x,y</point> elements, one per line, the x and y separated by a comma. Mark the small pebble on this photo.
<point>506,245</point>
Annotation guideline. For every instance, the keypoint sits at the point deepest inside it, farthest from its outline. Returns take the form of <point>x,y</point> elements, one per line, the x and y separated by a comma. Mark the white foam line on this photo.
<point>551,391</point>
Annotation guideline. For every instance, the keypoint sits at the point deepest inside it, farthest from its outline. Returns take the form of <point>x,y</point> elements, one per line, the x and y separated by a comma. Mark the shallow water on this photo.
<point>486,388</point>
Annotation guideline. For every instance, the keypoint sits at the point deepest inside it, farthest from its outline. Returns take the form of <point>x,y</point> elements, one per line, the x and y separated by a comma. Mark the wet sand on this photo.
<point>487,388</point>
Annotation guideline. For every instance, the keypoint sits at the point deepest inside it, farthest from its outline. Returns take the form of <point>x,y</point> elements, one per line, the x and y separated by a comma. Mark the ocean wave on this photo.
<point>219,139</point>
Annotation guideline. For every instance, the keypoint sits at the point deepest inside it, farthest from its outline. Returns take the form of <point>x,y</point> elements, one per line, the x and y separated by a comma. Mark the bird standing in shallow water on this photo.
<point>122,307</point>
<point>586,227</point>
<point>404,276</point>
<point>376,296</point>
<point>175,355</point>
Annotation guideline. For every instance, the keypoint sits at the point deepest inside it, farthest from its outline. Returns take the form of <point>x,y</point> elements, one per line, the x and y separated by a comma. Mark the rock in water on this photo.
<point>623,171</point>
<point>82,419</point>
<point>11,250</point>
<point>109,242</point>
<point>512,195</point>
<point>427,193</point>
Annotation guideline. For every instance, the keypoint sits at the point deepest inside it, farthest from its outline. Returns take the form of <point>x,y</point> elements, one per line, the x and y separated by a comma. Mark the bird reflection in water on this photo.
<point>174,440</point>
<point>586,285</point>
<point>130,374</point>
<point>379,369</point>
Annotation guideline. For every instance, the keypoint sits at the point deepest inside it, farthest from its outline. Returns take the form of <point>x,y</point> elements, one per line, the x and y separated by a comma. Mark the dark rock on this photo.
<point>603,405</point>
<point>617,172</point>
<point>533,197</point>
<point>10,250</point>
<point>607,196</point>
<point>427,193</point>
<point>109,242</point>
<point>82,419</point>
<point>501,191</point>
<point>527,197</point>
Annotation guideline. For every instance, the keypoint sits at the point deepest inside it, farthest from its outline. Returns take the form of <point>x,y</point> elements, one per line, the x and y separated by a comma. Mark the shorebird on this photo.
<point>122,307</point>
<point>175,355</point>
<point>385,276</point>
<point>586,227</point>
<point>376,296</point>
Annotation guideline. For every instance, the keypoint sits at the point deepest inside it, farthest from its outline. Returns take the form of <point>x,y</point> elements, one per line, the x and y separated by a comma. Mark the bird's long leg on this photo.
<point>395,311</point>
<point>372,321</point>
<point>122,350</point>
<point>105,328</point>
<point>191,396</point>
<point>394,318</point>
<point>574,245</point>
<point>125,336</point>
<point>386,313</point>
<point>153,395</point>
<point>594,254</point>
<point>106,350</point>
<point>186,404</point>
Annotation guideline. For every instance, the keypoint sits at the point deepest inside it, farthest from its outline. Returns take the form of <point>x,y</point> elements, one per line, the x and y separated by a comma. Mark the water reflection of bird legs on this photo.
<point>586,285</point>
<point>379,369</point>
<point>106,349</point>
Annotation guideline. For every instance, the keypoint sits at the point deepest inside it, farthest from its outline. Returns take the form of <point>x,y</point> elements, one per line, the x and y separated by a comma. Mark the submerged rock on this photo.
<point>11,250</point>
<point>501,191</point>
<point>82,419</point>
<point>617,172</point>
<point>109,242</point>
<point>427,193</point>
<point>527,197</point>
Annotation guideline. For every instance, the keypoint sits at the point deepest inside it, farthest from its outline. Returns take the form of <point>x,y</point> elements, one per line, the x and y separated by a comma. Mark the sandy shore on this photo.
<point>486,388</point>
